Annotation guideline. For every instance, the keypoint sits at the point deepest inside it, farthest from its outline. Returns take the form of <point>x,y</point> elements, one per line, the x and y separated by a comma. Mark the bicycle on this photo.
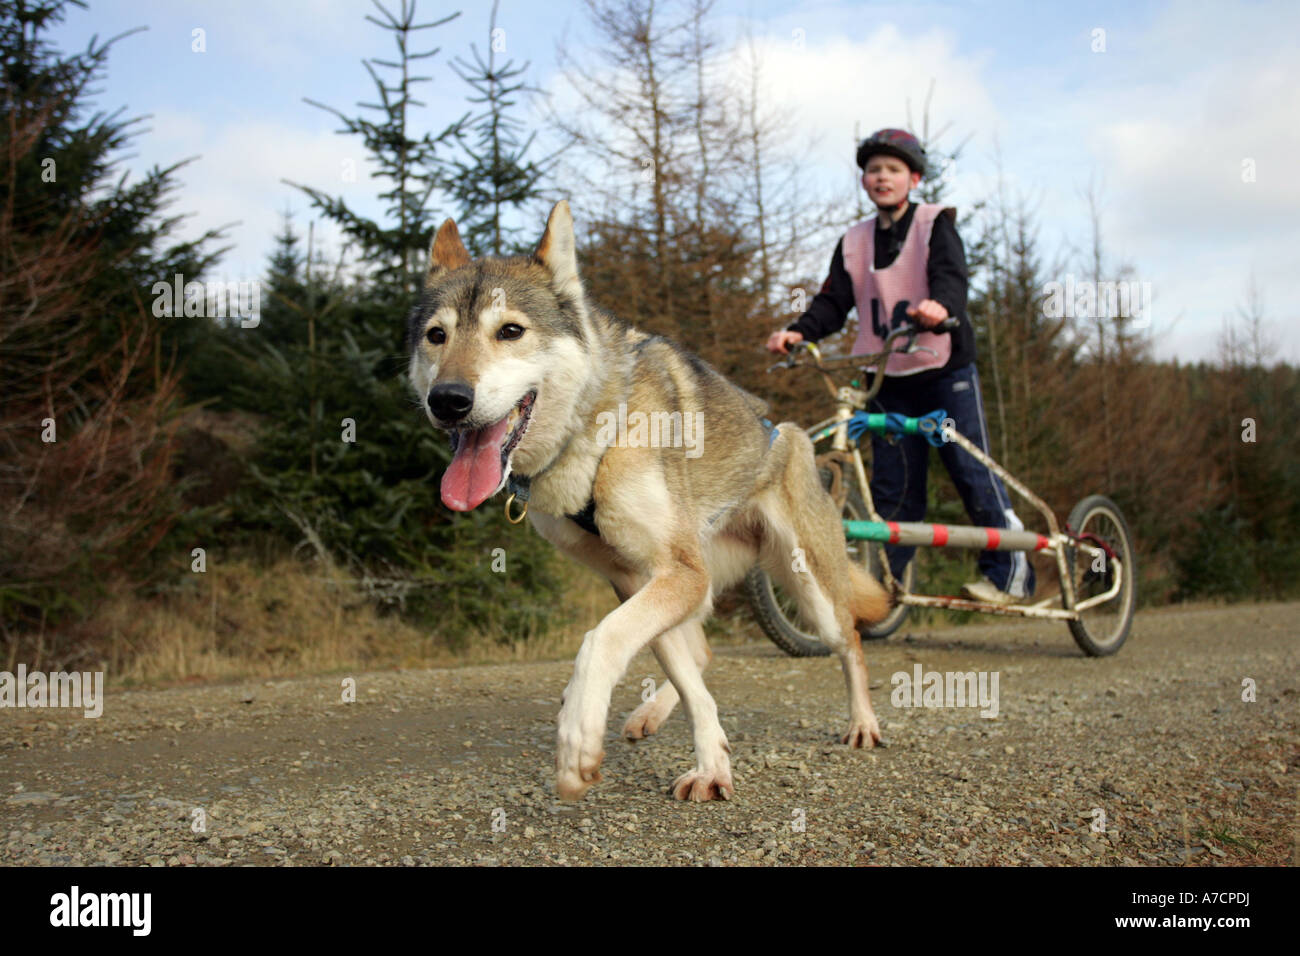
<point>1095,557</point>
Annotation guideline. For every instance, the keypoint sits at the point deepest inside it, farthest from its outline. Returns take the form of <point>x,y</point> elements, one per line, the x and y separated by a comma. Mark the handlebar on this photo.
<point>906,327</point>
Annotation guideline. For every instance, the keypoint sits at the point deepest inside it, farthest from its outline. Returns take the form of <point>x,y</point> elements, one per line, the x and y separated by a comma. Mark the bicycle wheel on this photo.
<point>1102,629</point>
<point>777,613</point>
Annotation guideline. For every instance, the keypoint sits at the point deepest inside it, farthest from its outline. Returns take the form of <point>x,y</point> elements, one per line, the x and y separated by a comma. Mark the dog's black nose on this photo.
<point>450,402</point>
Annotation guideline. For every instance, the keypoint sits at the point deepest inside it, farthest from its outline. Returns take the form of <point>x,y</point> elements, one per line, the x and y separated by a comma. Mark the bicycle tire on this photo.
<point>1096,634</point>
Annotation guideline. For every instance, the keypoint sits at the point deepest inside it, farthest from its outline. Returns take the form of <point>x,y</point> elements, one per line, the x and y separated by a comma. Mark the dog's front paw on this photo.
<point>700,785</point>
<point>576,768</point>
<point>862,733</point>
<point>573,785</point>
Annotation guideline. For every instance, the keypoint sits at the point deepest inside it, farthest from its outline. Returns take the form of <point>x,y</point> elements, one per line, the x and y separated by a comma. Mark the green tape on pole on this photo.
<point>866,531</point>
<point>877,422</point>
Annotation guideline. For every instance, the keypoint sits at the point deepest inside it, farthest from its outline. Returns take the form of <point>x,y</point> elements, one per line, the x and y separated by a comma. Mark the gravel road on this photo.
<point>455,766</point>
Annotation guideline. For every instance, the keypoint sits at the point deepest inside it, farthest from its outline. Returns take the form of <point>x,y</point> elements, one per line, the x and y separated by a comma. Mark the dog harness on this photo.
<point>518,486</point>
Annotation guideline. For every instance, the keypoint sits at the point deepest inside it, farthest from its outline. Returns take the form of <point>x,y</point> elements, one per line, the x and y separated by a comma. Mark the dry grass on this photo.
<point>240,620</point>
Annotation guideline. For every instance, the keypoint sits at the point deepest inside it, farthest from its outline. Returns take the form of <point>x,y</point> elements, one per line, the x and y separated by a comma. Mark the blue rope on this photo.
<point>896,425</point>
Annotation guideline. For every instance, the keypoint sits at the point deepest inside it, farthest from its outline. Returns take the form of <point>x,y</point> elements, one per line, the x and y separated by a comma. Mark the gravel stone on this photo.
<point>455,766</point>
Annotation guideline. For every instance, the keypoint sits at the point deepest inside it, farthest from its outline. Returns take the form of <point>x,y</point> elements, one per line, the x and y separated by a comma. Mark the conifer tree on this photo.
<point>346,460</point>
<point>90,387</point>
<point>498,176</point>
<point>413,165</point>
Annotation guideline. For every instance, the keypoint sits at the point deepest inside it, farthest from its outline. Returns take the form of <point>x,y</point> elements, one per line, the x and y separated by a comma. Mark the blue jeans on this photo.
<point>898,473</point>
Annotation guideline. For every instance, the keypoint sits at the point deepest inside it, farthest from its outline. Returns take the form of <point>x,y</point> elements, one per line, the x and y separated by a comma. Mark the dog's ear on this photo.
<point>558,252</point>
<point>446,252</point>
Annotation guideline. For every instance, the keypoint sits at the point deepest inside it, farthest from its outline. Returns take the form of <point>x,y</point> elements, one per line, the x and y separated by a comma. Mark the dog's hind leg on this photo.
<point>804,550</point>
<point>650,716</point>
<point>682,652</point>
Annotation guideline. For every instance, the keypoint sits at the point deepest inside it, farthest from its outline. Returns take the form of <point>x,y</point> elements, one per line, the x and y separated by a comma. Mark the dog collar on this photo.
<point>519,487</point>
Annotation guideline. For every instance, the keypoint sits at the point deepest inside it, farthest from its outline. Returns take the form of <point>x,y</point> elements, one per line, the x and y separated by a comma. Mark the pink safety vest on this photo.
<point>903,279</point>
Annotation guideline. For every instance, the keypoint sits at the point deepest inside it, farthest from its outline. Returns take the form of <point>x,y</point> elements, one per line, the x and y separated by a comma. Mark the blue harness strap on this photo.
<point>771,431</point>
<point>929,426</point>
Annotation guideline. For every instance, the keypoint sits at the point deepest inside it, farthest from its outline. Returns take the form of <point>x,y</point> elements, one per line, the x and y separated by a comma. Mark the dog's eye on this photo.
<point>510,332</point>
<point>437,336</point>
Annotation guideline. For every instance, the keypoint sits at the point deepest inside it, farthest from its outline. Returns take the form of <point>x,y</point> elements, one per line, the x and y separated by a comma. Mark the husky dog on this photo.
<point>547,396</point>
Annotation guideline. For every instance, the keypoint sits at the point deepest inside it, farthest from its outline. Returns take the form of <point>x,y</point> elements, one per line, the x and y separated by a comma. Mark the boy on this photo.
<point>912,253</point>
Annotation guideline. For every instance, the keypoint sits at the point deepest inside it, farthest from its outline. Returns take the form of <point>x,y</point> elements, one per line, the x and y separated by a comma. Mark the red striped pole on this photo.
<point>945,536</point>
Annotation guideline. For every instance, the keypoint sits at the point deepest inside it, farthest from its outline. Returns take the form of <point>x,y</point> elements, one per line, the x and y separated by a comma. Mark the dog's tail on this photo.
<point>868,600</point>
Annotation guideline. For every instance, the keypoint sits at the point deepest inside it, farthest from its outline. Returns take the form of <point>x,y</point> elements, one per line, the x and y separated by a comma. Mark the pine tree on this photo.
<point>413,166</point>
<point>286,290</point>
<point>346,461</point>
<point>498,177</point>
<point>90,388</point>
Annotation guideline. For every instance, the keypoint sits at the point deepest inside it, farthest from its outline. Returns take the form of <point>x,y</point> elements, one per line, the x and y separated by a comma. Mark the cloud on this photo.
<point>238,177</point>
<point>1199,162</point>
<point>832,83</point>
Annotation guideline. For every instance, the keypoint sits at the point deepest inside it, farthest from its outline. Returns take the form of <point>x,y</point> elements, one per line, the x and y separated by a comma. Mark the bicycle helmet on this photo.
<point>893,142</point>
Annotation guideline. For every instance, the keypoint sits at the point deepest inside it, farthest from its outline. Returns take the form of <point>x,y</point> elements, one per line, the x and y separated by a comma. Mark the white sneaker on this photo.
<point>986,591</point>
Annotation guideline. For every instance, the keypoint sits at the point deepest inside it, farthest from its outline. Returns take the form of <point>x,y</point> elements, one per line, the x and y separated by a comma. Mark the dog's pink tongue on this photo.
<point>475,471</point>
